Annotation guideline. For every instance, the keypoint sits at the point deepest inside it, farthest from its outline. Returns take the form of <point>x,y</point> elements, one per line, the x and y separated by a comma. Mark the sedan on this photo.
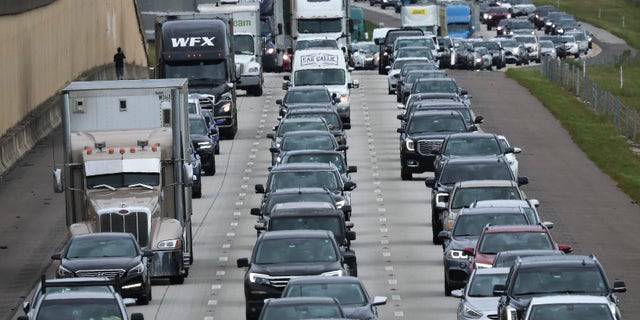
<point>111,254</point>
<point>349,291</point>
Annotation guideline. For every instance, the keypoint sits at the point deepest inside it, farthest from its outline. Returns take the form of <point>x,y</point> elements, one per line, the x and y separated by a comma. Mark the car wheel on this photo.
<point>398,9</point>
<point>447,287</point>
<point>217,149</point>
<point>391,91</point>
<point>142,300</point>
<point>211,170</point>
<point>577,55</point>
<point>404,175</point>
<point>353,269</point>
<point>382,6</point>
<point>488,27</point>
<point>196,194</point>
<point>436,227</point>
<point>176,279</point>
<point>518,63</point>
<point>257,90</point>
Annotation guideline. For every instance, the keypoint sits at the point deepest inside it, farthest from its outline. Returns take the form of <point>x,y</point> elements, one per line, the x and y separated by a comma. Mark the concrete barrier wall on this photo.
<point>45,49</point>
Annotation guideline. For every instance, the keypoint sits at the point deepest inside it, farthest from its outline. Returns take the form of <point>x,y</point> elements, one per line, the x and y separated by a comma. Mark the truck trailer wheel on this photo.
<point>176,279</point>
<point>257,90</point>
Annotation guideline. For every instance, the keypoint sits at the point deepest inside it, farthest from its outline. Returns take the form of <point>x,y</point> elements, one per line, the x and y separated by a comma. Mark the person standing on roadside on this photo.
<point>118,59</point>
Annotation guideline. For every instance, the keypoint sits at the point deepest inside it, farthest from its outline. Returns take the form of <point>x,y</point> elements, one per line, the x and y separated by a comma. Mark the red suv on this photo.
<point>495,14</point>
<point>494,239</point>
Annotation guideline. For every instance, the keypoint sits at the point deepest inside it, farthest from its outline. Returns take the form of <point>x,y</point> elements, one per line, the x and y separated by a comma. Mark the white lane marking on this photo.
<point>384,230</point>
<point>231,234</point>
<point>237,213</point>
<point>393,282</point>
<point>216,287</point>
<point>220,273</point>
<point>395,297</point>
<point>226,246</point>
<point>388,268</point>
<point>223,259</point>
<point>212,302</point>
<point>398,314</point>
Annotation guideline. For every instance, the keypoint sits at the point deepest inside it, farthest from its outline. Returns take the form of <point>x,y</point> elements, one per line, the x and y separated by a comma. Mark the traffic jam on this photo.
<point>133,225</point>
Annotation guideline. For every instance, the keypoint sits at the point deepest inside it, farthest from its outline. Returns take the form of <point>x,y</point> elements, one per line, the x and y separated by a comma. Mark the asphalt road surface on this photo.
<point>395,254</point>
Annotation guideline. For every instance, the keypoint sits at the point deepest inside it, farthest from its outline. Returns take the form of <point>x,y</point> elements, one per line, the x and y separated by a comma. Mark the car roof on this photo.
<point>437,79</point>
<point>304,119</point>
<point>302,206</point>
<point>475,159</point>
<point>312,151</point>
<point>300,300</point>
<point>296,234</point>
<point>303,190</point>
<point>483,211</point>
<point>571,298</point>
<point>502,203</point>
<point>435,112</point>
<point>486,183</point>
<point>104,235</point>
<point>568,259</point>
<point>313,108</point>
<point>308,88</point>
<point>74,295</point>
<point>529,253</point>
<point>472,135</point>
<point>515,228</point>
<point>323,279</point>
<point>482,271</point>
<point>307,133</point>
<point>304,166</point>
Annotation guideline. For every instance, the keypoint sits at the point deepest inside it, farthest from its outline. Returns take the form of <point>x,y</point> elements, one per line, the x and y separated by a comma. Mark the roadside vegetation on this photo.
<point>591,132</point>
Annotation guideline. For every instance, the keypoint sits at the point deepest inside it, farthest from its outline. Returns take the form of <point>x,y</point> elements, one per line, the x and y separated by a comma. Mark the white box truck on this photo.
<point>425,17</point>
<point>126,166</point>
<point>322,19</point>
<point>247,43</point>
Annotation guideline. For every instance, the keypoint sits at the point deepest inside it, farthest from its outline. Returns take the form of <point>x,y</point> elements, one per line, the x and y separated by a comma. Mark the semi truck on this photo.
<point>247,43</point>
<point>272,26</point>
<point>126,166</point>
<point>459,21</point>
<point>323,19</point>
<point>200,47</point>
<point>425,17</point>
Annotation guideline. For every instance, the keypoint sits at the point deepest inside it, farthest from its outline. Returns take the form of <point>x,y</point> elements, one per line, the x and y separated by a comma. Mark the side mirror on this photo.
<point>187,174</point>
<point>478,119</point>
<point>213,131</point>
<point>58,186</point>
<point>400,117</point>
<point>346,208</point>
<point>469,251</point>
<point>352,169</point>
<point>129,301</point>
<point>259,226</point>
<point>473,128</point>
<point>259,188</point>
<point>441,205</point>
<point>342,148</point>
<point>464,92</point>
<point>547,224</point>
<point>355,84</point>
<point>517,150</point>
<point>274,150</point>
<point>387,68</point>
<point>522,181</point>
<point>350,235</point>
<point>534,202</point>
<point>349,186</point>
<point>430,182</point>
<point>255,212</point>
<point>147,253</point>
<point>379,300</point>
<point>498,290</point>
<point>346,126</point>
<point>271,136</point>
<point>285,85</point>
<point>456,293</point>
<point>286,77</point>
<point>508,150</point>
<point>348,224</point>
<point>400,130</point>
<point>279,101</point>
<point>443,235</point>
<point>56,256</point>
<point>619,286</point>
<point>401,107</point>
<point>565,248</point>
<point>242,262</point>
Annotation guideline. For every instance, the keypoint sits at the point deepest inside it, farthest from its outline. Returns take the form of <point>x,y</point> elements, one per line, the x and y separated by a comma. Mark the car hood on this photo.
<point>195,138</point>
<point>296,269</point>
<point>459,243</point>
<point>485,305</point>
<point>215,90</point>
<point>433,135</point>
<point>124,263</point>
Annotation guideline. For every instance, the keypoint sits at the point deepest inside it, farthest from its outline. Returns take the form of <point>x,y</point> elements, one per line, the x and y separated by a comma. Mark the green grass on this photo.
<point>591,132</point>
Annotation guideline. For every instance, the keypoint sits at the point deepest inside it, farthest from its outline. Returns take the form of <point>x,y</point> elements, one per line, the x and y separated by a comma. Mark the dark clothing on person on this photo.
<point>118,59</point>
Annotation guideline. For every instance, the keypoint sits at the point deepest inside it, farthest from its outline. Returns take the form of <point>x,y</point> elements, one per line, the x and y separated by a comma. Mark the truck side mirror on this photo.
<point>58,186</point>
<point>279,28</point>
<point>187,175</point>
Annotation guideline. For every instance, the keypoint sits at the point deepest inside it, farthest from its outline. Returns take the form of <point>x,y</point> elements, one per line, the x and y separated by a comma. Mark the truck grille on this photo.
<point>425,146</point>
<point>109,273</point>
<point>135,223</point>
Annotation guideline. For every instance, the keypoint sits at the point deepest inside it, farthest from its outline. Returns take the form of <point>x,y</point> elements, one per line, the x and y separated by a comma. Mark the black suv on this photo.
<point>202,139</point>
<point>329,114</point>
<point>306,95</point>
<point>464,169</point>
<point>386,44</point>
<point>311,216</point>
<point>469,145</point>
<point>552,275</point>
<point>280,255</point>
<point>424,132</point>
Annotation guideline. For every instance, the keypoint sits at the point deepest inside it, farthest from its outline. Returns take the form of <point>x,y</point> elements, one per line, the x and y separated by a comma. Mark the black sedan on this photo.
<point>202,139</point>
<point>108,254</point>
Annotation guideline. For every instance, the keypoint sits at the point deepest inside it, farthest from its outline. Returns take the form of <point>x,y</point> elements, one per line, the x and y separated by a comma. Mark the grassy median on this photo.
<point>591,132</point>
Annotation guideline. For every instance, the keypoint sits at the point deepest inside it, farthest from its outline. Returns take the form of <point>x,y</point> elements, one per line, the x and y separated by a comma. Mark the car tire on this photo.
<point>391,91</point>
<point>211,168</point>
<point>447,287</point>
<point>488,28</point>
<point>435,228</point>
<point>398,9</point>
<point>217,149</point>
<point>176,279</point>
<point>577,55</point>
<point>257,90</point>
<point>383,6</point>
<point>196,194</point>
<point>353,269</point>
<point>404,175</point>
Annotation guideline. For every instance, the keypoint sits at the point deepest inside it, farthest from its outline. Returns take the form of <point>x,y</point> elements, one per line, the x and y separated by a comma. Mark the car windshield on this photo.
<point>509,43</point>
<point>435,87</point>
<point>274,199</point>
<point>100,248</point>
<point>307,311</point>
<point>571,311</point>
<point>295,250</point>
<point>413,76</point>
<point>324,76</point>
<point>481,285</point>
<point>471,225</point>
<point>418,42</point>
<point>436,124</point>
<point>319,25</point>
<point>494,242</point>
<point>316,43</point>
<point>458,27</point>
<point>333,224</point>
<point>398,64</point>
<point>464,197</point>
<point>453,173</point>
<point>311,96</point>
<point>559,280</point>
<point>212,72</point>
<point>348,294</point>
<point>546,44</point>
<point>243,44</point>
<point>304,142</point>
<point>411,52</point>
<point>302,179</point>
<point>471,146</point>
<point>197,126</point>
<point>335,159</point>
<point>290,126</point>
<point>423,66</point>
<point>65,309</point>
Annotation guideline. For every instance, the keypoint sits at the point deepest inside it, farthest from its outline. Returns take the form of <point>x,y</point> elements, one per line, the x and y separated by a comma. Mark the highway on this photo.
<point>393,245</point>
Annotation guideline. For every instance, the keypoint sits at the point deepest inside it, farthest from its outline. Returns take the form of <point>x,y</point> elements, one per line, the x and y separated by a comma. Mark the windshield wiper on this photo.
<point>140,185</point>
<point>104,186</point>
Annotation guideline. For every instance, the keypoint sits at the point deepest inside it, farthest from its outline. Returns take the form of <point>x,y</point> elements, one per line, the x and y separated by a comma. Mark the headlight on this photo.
<point>226,107</point>
<point>486,16</point>
<point>64,272</point>
<point>483,265</point>
<point>271,50</point>
<point>468,312</point>
<point>259,278</point>
<point>509,16</point>
<point>285,57</point>
<point>337,273</point>
<point>341,203</point>
<point>137,269</point>
<point>254,69</point>
<point>410,145</point>
<point>170,244</point>
<point>204,145</point>
<point>479,60</point>
<point>457,254</point>
<point>344,98</point>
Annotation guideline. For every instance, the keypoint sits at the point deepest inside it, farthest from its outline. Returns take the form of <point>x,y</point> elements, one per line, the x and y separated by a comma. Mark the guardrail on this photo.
<point>626,120</point>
